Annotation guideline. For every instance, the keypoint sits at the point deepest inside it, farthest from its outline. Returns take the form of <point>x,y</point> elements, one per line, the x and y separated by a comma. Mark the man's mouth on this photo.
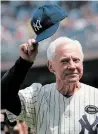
<point>71,74</point>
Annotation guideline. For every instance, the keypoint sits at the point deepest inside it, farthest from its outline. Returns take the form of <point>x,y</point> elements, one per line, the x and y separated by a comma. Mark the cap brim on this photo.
<point>47,33</point>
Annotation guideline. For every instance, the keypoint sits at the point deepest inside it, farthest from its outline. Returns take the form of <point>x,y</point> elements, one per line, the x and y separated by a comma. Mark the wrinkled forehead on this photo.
<point>68,49</point>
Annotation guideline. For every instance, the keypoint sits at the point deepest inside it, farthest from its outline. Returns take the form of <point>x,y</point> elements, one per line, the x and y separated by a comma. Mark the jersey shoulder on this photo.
<point>48,89</point>
<point>88,87</point>
<point>32,90</point>
<point>36,89</point>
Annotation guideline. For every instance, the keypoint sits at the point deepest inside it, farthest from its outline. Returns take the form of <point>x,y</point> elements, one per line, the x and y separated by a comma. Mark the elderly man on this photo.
<point>64,107</point>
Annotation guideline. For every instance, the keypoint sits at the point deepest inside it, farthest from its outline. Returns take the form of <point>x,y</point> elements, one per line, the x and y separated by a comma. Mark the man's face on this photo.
<point>67,63</point>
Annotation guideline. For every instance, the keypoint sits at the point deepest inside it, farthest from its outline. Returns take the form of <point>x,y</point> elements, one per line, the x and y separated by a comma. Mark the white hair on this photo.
<point>62,40</point>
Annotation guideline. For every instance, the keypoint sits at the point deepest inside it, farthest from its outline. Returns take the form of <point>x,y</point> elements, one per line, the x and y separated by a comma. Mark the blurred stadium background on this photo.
<point>81,24</point>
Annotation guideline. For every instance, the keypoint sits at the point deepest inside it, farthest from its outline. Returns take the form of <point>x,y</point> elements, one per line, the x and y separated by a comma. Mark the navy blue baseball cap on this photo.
<point>45,21</point>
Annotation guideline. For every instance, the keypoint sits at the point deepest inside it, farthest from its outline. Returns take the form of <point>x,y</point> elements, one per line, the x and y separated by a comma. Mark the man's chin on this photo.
<point>73,80</point>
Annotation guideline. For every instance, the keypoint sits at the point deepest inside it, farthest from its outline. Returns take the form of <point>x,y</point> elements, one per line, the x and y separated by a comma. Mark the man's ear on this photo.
<point>50,67</point>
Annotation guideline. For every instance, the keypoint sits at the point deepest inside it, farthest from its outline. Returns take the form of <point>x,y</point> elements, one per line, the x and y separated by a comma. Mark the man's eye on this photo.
<point>65,61</point>
<point>76,60</point>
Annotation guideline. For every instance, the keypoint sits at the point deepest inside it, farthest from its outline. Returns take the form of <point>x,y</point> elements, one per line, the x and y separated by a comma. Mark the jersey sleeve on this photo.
<point>28,98</point>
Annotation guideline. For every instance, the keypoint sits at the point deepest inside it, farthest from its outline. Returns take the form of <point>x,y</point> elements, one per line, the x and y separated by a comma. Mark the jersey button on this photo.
<point>67,114</point>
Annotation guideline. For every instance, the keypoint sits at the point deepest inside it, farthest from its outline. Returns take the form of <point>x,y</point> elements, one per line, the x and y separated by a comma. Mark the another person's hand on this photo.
<point>29,50</point>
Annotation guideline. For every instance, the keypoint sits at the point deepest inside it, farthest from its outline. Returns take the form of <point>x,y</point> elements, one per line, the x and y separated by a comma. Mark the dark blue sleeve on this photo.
<point>10,85</point>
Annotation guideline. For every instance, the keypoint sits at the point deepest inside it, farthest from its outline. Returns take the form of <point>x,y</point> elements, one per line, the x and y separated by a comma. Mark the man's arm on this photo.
<point>11,81</point>
<point>10,85</point>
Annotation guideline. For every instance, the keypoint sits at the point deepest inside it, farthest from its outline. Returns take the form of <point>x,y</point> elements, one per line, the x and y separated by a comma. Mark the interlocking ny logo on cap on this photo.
<point>37,25</point>
<point>45,21</point>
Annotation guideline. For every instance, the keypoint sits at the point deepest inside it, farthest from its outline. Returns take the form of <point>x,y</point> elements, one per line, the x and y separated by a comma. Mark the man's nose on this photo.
<point>71,65</point>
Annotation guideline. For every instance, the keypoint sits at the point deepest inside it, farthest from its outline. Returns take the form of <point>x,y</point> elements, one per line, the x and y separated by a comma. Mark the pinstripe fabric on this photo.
<point>48,112</point>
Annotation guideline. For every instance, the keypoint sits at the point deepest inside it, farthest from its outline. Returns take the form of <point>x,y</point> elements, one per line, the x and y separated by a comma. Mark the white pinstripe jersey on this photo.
<point>48,112</point>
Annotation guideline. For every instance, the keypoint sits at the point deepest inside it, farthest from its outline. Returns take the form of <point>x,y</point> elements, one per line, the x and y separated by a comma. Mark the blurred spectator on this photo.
<point>6,129</point>
<point>20,128</point>
<point>16,27</point>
